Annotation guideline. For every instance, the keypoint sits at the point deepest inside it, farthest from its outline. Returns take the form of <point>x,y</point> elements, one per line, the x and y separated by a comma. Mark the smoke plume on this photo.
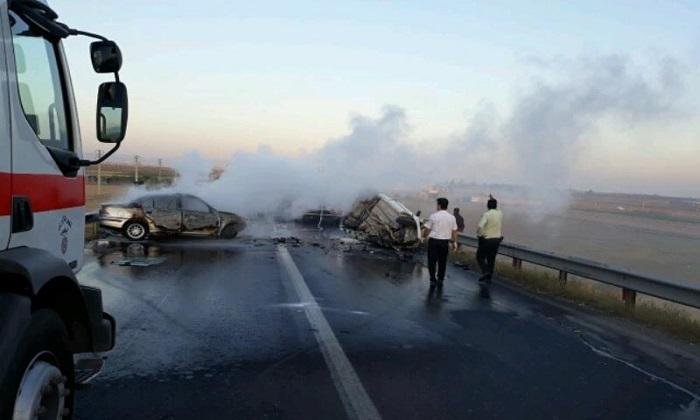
<point>535,145</point>
<point>551,122</point>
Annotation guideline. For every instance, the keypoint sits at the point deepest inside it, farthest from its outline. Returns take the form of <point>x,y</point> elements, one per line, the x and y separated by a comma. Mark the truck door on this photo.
<point>48,205</point>
<point>197,217</point>
<point>5,142</point>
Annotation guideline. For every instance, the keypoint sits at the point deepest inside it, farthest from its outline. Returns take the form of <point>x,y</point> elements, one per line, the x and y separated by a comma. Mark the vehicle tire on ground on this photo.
<point>40,373</point>
<point>135,230</point>
<point>229,231</point>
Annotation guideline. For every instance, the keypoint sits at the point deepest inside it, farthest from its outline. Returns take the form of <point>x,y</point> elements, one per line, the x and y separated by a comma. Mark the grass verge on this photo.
<point>665,317</point>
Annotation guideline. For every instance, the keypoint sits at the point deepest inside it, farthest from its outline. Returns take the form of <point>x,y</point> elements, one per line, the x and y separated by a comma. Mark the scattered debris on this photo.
<point>100,245</point>
<point>288,240</point>
<point>321,218</point>
<point>461,264</point>
<point>140,261</point>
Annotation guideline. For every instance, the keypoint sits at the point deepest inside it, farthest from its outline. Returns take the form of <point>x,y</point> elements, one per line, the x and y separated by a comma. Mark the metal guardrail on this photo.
<point>630,283</point>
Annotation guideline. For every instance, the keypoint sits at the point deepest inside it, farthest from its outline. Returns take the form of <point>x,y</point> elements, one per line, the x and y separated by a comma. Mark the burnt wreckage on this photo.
<point>386,222</point>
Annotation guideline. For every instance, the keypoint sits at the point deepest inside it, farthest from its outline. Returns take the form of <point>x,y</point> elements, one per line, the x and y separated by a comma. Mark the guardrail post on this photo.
<point>517,263</point>
<point>562,278</point>
<point>629,296</point>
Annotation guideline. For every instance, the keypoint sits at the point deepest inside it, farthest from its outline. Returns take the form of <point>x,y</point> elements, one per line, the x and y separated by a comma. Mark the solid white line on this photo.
<point>603,353</point>
<point>356,401</point>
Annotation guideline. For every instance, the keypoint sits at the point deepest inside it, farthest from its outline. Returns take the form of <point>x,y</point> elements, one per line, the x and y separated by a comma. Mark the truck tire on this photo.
<point>135,230</point>
<point>229,231</point>
<point>40,376</point>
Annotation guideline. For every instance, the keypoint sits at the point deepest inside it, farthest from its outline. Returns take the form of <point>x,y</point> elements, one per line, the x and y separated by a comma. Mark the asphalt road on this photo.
<point>253,328</point>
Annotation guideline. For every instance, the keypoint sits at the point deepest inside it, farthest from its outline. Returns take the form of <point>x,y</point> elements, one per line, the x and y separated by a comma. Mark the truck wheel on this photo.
<point>229,232</point>
<point>135,230</point>
<point>39,382</point>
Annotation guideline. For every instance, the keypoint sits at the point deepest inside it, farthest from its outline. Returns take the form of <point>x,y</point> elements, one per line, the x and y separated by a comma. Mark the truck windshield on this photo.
<point>40,87</point>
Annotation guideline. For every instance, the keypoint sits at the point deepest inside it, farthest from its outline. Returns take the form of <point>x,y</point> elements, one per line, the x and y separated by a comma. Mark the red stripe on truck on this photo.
<point>5,193</point>
<point>45,192</point>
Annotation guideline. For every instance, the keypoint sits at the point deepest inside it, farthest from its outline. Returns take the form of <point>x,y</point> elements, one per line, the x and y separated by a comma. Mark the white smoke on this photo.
<point>536,145</point>
<point>552,122</point>
<point>373,156</point>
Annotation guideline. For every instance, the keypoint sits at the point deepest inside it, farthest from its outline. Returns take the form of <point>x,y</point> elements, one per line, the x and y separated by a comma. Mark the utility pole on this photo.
<point>99,173</point>
<point>136,169</point>
<point>160,167</point>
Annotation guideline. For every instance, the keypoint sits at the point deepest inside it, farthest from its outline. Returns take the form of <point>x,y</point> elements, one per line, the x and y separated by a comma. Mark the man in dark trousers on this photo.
<point>460,222</point>
<point>459,219</point>
<point>490,236</point>
<point>441,228</point>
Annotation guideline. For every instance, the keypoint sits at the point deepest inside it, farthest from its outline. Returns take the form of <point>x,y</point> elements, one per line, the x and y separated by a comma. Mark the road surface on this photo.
<point>255,328</point>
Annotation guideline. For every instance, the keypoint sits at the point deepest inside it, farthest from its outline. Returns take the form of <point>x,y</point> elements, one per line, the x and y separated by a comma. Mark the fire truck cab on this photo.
<point>46,316</point>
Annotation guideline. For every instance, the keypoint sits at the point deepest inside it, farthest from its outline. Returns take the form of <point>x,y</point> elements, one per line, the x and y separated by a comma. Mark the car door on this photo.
<point>198,217</point>
<point>164,212</point>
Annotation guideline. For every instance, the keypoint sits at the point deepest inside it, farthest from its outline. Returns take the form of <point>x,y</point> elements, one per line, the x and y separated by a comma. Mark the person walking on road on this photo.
<point>441,228</point>
<point>489,232</point>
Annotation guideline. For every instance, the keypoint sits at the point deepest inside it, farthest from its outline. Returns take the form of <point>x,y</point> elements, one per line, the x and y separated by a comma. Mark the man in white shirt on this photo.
<point>490,236</point>
<point>441,228</point>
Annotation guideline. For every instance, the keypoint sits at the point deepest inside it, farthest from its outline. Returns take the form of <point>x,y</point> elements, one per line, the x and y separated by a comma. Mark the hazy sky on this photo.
<point>223,76</point>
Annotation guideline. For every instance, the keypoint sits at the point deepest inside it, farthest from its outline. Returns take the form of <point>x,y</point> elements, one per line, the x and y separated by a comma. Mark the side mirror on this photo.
<point>112,112</point>
<point>106,56</point>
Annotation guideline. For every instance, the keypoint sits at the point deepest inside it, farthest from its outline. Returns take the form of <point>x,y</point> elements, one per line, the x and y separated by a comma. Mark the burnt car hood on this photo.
<point>386,222</point>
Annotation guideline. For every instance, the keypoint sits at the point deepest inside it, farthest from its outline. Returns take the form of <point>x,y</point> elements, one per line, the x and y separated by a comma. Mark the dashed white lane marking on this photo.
<point>357,403</point>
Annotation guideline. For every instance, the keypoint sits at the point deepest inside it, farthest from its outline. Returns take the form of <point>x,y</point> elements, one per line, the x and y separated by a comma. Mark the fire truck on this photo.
<point>46,316</point>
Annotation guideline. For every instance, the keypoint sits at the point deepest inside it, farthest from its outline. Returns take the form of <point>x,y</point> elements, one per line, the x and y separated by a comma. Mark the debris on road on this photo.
<point>321,218</point>
<point>294,241</point>
<point>386,222</point>
<point>461,264</point>
<point>140,261</point>
<point>99,245</point>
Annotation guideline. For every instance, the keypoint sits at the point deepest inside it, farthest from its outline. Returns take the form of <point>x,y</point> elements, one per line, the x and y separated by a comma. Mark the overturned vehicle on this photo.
<point>386,222</point>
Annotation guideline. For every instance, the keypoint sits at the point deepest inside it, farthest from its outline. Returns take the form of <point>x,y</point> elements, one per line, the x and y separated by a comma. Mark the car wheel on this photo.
<point>229,232</point>
<point>39,382</point>
<point>135,230</point>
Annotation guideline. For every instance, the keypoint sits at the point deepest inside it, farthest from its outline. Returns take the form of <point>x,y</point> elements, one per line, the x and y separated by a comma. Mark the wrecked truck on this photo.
<point>386,222</point>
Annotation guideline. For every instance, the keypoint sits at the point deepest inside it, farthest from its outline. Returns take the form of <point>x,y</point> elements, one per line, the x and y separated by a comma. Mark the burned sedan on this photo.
<point>386,222</point>
<point>169,214</point>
